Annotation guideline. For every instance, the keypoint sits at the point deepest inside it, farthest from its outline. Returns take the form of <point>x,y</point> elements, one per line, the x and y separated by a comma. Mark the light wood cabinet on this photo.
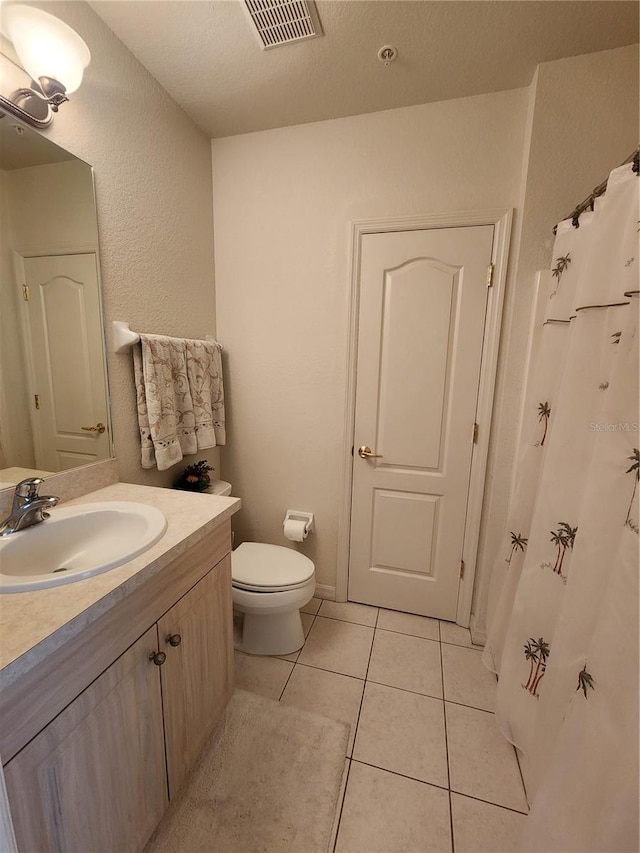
<point>197,676</point>
<point>94,779</point>
<point>98,776</point>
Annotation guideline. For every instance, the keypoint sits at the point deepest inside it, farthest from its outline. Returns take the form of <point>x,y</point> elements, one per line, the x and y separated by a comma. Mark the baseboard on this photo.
<point>323,590</point>
<point>478,635</point>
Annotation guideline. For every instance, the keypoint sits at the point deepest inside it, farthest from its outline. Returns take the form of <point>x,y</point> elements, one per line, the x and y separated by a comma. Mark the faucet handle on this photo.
<point>29,488</point>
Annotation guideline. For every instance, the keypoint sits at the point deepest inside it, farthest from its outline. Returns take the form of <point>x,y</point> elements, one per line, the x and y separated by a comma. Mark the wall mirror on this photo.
<point>54,401</point>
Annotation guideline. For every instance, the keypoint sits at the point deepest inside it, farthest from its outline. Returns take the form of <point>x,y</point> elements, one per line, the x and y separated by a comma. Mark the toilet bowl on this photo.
<point>270,584</point>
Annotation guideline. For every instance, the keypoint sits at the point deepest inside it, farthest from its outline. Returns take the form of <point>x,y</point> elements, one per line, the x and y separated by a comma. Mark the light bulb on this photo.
<point>46,46</point>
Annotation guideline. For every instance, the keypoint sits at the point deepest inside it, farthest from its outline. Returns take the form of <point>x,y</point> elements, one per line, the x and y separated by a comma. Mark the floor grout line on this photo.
<point>446,748</point>
<point>332,671</point>
<point>355,733</point>
<point>524,787</point>
<point>295,662</point>
<point>435,785</point>
<point>460,646</point>
<point>343,798</point>
<point>366,673</point>
<point>489,803</point>
<point>401,775</point>
<point>405,690</point>
<point>392,686</point>
<point>405,634</point>
<point>472,707</point>
<point>345,621</point>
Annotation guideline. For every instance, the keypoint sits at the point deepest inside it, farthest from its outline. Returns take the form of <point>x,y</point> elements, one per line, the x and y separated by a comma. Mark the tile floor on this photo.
<point>427,769</point>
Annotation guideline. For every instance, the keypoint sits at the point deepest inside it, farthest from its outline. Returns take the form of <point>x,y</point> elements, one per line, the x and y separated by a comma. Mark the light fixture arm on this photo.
<point>36,105</point>
<point>52,54</point>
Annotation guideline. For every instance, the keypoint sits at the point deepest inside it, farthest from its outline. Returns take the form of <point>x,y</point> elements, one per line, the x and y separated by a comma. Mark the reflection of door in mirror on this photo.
<point>52,361</point>
<point>63,338</point>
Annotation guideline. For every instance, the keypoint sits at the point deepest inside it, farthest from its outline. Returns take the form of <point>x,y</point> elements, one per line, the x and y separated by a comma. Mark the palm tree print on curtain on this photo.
<point>518,543</point>
<point>577,477</point>
<point>563,538</point>
<point>585,680</point>
<point>561,267</point>
<point>634,468</point>
<point>544,412</point>
<point>536,652</point>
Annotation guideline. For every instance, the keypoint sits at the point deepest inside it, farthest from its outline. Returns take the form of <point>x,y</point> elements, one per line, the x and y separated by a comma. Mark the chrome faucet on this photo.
<point>28,507</point>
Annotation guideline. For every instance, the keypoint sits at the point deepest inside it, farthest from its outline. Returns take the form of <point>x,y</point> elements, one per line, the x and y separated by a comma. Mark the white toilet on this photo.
<point>270,584</point>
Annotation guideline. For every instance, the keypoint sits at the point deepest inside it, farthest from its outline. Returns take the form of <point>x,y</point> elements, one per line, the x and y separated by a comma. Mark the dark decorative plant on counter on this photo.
<point>195,478</point>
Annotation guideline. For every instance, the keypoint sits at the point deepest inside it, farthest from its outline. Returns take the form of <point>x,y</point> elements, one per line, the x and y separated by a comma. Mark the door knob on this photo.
<point>365,452</point>
<point>157,657</point>
<point>99,428</point>
<point>174,640</point>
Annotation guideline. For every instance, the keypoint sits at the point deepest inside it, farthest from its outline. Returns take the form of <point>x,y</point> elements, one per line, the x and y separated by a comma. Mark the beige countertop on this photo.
<point>34,624</point>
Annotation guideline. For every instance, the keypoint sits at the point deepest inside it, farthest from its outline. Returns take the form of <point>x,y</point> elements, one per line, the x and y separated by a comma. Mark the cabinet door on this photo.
<point>197,678</point>
<point>94,779</point>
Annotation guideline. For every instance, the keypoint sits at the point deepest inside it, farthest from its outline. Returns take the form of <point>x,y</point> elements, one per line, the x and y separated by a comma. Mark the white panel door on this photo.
<point>422,308</point>
<point>64,332</point>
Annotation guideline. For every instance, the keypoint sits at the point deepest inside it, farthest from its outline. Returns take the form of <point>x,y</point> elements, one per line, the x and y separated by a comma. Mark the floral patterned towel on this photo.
<point>180,398</point>
<point>204,373</point>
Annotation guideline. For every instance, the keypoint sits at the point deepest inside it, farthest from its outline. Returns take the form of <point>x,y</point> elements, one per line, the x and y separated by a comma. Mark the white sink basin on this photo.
<point>77,542</point>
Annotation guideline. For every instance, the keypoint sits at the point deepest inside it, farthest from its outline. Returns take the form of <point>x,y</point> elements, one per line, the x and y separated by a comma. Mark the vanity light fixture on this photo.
<point>51,53</point>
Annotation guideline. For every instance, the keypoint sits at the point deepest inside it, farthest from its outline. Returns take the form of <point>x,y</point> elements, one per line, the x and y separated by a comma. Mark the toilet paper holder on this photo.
<point>296,515</point>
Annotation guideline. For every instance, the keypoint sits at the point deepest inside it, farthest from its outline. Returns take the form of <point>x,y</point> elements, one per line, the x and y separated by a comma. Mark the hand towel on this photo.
<point>204,372</point>
<point>165,407</point>
<point>180,398</point>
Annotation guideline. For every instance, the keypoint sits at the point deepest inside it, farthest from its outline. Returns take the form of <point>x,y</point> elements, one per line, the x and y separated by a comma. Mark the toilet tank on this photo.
<point>219,487</point>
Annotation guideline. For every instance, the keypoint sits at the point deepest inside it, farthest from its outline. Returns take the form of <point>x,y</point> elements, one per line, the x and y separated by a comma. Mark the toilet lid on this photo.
<point>257,566</point>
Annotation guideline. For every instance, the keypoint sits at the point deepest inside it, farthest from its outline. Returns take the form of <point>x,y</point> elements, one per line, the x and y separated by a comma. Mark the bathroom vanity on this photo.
<point>111,686</point>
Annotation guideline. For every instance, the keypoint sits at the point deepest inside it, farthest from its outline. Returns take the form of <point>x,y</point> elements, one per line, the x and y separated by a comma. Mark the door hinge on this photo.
<point>461,568</point>
<point>474,434</point>
<point>36,399</point>
<point>25,292</point>
<point>490,269</point>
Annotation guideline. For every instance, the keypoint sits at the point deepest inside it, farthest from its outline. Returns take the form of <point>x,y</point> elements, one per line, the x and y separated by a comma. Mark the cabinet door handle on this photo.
<point>158,658</point>
<point>174,640</point>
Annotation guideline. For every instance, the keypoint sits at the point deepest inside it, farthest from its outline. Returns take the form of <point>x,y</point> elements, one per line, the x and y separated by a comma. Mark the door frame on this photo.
<point>501,219</point>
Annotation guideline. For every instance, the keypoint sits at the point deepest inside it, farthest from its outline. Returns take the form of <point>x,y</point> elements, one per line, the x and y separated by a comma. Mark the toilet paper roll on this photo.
<point>295,531</point>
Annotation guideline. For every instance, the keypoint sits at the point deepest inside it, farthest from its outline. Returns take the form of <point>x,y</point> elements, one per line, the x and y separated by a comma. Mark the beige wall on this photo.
<point>283,201</point>
<point>52,207</point>
<point>583,123</point>
<point>153,190</point>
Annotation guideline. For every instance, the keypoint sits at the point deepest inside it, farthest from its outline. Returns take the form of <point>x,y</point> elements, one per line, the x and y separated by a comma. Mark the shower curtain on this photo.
<point>563,634</point>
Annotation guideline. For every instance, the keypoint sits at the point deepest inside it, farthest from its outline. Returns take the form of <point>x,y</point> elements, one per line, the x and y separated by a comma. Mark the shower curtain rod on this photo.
<point>587,204</point>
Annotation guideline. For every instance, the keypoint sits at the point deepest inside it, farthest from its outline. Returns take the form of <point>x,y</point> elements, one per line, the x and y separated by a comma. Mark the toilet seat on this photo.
<point>257,567</point>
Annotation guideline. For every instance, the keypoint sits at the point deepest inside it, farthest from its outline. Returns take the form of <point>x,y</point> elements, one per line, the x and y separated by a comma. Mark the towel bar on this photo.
<point>123,338</point>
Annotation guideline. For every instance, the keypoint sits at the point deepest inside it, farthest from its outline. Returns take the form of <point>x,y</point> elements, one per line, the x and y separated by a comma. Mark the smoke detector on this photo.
<point>279,22</point>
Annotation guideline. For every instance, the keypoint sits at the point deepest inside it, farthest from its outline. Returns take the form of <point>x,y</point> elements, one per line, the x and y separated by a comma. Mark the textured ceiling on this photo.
<point>206,55</point>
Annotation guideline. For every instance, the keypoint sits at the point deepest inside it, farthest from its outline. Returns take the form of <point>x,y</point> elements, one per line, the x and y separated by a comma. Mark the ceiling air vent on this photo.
<point>284,21</point>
